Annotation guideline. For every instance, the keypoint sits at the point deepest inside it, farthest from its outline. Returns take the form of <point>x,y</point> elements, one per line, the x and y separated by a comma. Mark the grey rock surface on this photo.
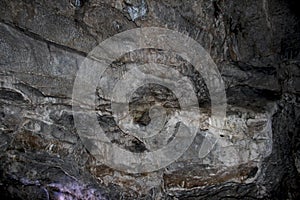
<point>256,47</point>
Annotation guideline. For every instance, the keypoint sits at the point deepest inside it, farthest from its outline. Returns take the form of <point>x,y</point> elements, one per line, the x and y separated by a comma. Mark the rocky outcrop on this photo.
<point>255,45</point>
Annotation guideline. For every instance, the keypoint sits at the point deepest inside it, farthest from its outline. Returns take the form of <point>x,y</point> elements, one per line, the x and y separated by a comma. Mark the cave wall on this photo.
<point>256,47</point>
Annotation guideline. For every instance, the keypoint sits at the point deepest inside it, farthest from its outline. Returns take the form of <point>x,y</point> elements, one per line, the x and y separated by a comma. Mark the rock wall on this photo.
<point>256,47</point>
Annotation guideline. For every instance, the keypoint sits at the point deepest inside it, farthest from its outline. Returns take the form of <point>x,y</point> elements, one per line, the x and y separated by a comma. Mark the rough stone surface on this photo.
<point>256,46</point>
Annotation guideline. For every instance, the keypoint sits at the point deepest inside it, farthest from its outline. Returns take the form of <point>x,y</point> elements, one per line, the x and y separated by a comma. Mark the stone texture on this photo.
<point>255,45</point>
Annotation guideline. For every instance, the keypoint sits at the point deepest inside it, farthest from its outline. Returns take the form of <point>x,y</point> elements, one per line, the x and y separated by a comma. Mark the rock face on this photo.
<point>256,48</point>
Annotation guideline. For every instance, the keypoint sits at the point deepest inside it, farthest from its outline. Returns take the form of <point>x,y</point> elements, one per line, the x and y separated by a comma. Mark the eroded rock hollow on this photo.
<point>50,148</point>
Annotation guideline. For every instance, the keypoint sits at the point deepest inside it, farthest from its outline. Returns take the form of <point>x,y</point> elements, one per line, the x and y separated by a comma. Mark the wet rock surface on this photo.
<point>255,45</point>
